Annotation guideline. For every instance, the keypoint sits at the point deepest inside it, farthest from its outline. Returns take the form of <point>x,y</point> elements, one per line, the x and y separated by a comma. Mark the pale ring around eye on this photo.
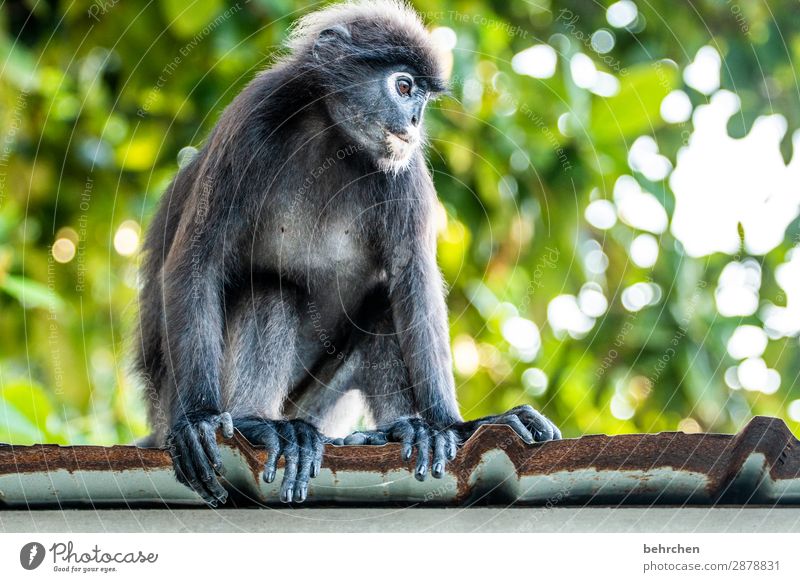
<point>401,83</point>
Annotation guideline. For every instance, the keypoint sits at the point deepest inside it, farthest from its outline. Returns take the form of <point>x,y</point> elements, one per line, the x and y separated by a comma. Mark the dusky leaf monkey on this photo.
<point>290,279</point>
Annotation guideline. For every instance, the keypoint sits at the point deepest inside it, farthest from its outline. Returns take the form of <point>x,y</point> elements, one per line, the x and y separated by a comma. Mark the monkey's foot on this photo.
<point>300,444</point>
<point>442,444</point>
<point>192,443</point>
<point>413,433</point>
<point>531,425</point>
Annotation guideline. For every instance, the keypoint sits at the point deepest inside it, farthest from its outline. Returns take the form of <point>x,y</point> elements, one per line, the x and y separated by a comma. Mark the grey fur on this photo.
<point>293,261</point>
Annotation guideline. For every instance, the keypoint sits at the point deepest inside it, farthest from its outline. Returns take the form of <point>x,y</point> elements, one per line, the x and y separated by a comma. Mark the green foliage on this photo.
<point>96,102</point>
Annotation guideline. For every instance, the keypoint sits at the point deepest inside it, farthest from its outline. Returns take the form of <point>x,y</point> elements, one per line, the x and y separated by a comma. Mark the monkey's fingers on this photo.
<point>179,461</point>
<point>272,442</point>
<point>423,444</point>
<point>208,439</point>
<point>291,455</point>
<point>541,427</point>
<point>364,437</point>
<point>319,451</point>
<point>403,432</point>
<point>193,469</point>
<point>452,445</point>
<point>508,419</point>
<point>440,444</point>
<point>307,439</point>
<point>514,422</point>
<point>204,470</point>
<point>226,422</point>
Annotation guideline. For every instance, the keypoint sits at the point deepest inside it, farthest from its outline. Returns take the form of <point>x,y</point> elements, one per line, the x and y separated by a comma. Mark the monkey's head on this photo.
<point>378,68</point>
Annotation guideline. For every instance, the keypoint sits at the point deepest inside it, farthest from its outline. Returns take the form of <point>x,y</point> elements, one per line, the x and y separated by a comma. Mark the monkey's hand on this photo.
<point>192,442</point>
<point>531,425</point>
<point>414,433</point>
<point>300,444</point>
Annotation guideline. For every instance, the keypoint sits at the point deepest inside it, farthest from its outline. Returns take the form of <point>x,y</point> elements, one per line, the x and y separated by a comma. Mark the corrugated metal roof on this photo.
<point>760,465</point>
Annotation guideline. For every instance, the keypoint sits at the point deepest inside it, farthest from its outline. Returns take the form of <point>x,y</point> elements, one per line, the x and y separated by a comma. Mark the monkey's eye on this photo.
<point>404,86</point>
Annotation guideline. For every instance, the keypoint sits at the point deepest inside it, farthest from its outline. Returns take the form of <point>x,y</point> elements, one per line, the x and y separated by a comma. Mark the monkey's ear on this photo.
<point>331,37</point>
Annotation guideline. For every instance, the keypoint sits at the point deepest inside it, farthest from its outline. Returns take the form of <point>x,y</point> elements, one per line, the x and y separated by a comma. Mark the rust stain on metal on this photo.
<point>38,458</point>
<point>663,467</point>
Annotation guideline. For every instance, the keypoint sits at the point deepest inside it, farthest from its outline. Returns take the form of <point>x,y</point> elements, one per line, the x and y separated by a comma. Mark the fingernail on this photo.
<point>269,477</point>
<point>438,469</point>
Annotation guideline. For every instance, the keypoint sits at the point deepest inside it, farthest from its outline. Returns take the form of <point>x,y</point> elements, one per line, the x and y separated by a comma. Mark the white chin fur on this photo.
<point>400,153</point>
<point>392,165</point>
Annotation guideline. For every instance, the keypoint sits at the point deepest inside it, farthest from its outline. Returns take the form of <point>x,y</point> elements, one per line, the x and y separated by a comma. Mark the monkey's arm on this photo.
<point>193,280</point>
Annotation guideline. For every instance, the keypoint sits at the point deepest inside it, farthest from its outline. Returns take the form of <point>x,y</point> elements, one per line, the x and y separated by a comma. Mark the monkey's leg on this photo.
<point>383,379</point>
<point>328,398</point>
<point>297,441</point>
<point>530,424</point>
<point>260,356</point>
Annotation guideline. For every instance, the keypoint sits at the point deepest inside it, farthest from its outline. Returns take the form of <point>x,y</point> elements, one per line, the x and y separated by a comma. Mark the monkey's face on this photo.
<point>378,75</point>
<point>401,121</point>
<point>383,113</point>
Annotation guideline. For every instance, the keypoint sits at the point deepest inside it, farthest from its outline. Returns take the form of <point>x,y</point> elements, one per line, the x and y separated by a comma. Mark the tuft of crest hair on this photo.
<point>394,12</point>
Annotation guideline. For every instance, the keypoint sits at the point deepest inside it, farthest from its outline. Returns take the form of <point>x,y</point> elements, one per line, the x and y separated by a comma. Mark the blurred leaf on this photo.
<point>635,110</point>
<point>19,66</point>
<point>140,152</point>
<point>15,428</point>
<point>30,293</point>
<point>186,19</point>
<point>27,408</point>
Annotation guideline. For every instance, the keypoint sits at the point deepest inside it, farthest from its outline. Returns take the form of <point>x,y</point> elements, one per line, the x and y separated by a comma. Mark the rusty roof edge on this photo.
<point>759,465</point>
